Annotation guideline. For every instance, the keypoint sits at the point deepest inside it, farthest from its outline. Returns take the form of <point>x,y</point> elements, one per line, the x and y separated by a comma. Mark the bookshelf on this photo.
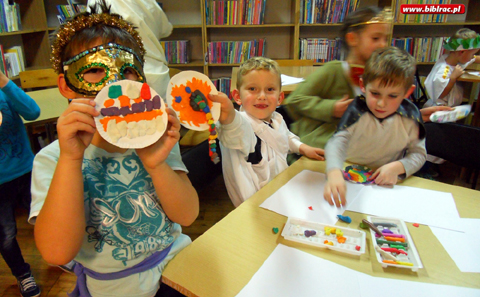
<point>282,30</point>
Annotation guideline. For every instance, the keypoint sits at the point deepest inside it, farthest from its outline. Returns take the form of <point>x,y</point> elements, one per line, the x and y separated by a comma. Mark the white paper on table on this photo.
<point>476,73</point>
<point>305,190</point>
<point>290,80</point>
<point>410,204</point>
<point>464,247</point>
<point>291,272</point>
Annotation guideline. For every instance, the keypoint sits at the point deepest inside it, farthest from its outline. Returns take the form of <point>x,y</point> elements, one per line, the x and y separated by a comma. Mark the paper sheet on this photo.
<point>476,73</point>
<point>303,191</point>
<point>463,247</point>
<point>291,272</point>
<point>290,80</point>
<point>409,204</point>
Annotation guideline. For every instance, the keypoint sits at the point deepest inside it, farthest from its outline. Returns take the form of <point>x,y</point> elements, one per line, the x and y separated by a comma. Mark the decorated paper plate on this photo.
<point>358,174</point>
<point>132,115</point>
<point>187,95</point>
<point>444,116</point>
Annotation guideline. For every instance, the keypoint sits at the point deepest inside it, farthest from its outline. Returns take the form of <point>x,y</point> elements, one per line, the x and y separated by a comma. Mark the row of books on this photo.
<point>13,60</point>
<point>10,16</point>
<point>69,10</point>
<point>420,18</point>
<point>222,84</point>
<point>326,11</point>
<point>423,49</point>
<point>417,93</point>
<point>235,12</point>
<point>234,52</point>
<point>177,51</point>
<point>320,49</point>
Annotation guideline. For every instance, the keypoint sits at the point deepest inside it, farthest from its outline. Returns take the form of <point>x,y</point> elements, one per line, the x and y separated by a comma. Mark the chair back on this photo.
<point>287,63</point>
<point>454,142</point>
<point>41,78</point>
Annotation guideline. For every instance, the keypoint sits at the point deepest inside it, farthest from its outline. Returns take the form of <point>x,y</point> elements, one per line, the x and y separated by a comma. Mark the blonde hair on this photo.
<point>464,33</point>
<point>257,63</point>
<point>392,65</point>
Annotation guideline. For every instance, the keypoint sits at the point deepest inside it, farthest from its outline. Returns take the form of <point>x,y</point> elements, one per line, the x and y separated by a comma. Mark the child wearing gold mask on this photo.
<point>117,212</point>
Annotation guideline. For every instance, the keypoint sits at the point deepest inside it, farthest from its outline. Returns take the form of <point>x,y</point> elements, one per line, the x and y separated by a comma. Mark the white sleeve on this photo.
<point>44,166</point>
<point>438,84</point>
<point>238,135</point>
<point>336,149</point>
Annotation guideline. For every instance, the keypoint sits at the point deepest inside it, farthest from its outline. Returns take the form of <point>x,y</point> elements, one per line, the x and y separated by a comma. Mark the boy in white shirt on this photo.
<point>255,141</point>
<point>382,131</point>
<point>441,83</point>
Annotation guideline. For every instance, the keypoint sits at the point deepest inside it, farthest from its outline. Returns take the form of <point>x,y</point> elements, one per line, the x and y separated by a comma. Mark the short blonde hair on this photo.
<point>392,65</point>
<point>464,33</point>
<point>257,63</point>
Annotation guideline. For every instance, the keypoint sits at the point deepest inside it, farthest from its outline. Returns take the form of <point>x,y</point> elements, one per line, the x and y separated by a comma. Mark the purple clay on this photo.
<point>157,103</point>
<point>106,112</point>
<point>114,110</point>
<point>148,105</point>
<point>387,231</point>
<point>138,107</point>
<point>125,110</point>
<point>309,233</point>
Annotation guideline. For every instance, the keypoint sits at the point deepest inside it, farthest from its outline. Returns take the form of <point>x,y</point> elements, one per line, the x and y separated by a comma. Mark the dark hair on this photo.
<point>392,65</point>
<point>350,24</point>
<point>84,38</point>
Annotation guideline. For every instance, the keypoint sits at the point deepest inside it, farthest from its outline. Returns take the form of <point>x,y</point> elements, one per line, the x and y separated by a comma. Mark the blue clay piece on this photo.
<point>346,219</point>
<point>178,99</point>
<point>309,233</point>
<point>188,90</point>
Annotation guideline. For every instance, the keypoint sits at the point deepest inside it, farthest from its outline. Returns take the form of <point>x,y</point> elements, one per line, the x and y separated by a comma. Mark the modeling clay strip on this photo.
<point>393,235</point>
<point>394,250</point>
<point>391,238</point>
<point>385,224</point>
<point>384,254</point>
<point>398,262</point>
<point>381,241</point>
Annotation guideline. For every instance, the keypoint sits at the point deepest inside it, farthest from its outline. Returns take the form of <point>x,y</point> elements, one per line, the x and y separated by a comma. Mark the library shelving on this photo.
<point>282,29</point>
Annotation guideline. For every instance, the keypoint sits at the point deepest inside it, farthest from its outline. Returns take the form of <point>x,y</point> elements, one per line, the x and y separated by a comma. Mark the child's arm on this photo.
<point>427,111</point>
<point>176,194</point>
<point>60,225</point>
<point>23,104</point>
<point>311,98</point>
<point>312,152</point>
<point>388,173</point>
<point>477,59</point>
<point>336,153</point>
<point>456,73</point>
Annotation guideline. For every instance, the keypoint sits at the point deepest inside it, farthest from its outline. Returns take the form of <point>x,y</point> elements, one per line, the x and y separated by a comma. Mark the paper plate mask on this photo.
<point>187,95</point>
<point>132,115</point>
<point>358,174</point>
<point>181,93</point>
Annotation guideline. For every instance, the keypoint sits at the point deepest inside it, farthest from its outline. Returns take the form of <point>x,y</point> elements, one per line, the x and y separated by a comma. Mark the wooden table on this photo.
<point>224,259</point>
<point>295,71</point>
<point>51,104</point>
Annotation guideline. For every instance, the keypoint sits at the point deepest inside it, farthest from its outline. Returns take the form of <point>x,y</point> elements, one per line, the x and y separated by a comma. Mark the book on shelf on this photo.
<point>222,84</point>
<point>320,49</point>
<point>176,51</point>
<point>419,18</point>
<point>13,60</point>
<point>10,16</point>
<point>3,66</point>
<point>423,49</point>
<point>235,12</point>
<point>234,52</point>
<point>326,11</point>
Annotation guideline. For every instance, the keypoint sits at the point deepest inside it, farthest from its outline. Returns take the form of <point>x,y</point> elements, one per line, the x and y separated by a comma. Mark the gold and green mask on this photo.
<point>89,71</point>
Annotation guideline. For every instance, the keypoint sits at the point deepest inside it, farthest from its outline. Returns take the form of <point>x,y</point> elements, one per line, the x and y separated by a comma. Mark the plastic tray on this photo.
<point>295,231</point>
<point>412,254</point>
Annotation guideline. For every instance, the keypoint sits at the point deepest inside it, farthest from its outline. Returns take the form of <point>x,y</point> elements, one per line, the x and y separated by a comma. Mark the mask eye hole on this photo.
<point>94,74</point>
<point>130,73</point>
